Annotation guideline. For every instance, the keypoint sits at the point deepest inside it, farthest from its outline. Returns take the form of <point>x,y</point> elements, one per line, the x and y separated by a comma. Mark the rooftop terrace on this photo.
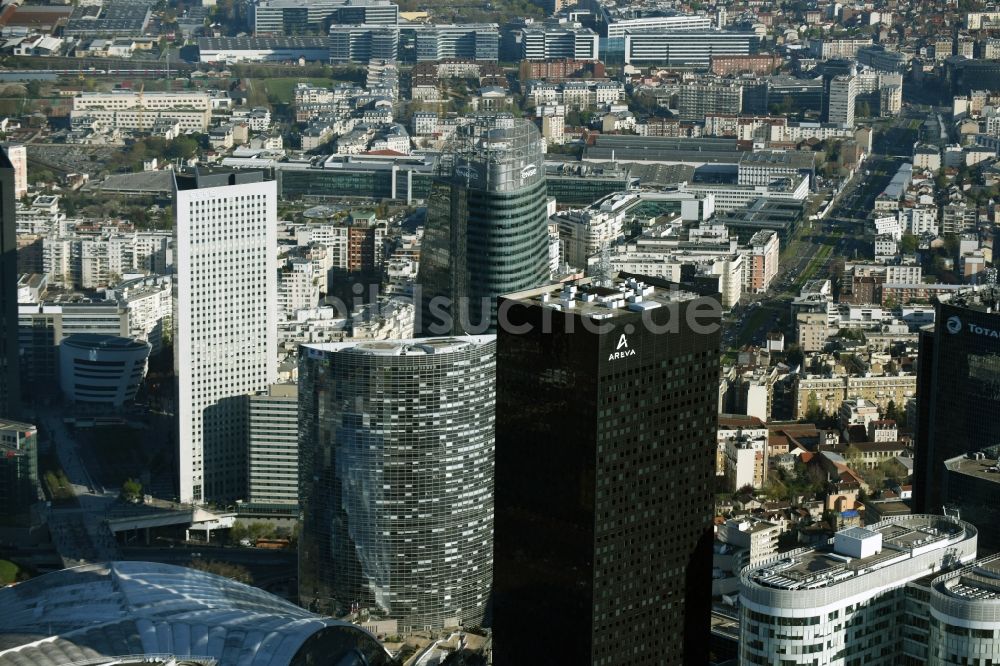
<point>902,538</point>
<point>588,299</point>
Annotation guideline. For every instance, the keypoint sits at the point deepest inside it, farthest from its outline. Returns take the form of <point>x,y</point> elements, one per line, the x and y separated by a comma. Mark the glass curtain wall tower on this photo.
<point>607,396</point>
<point>486,232</point>
<point>958,389</point>
<point>9,371</point>
<point>396,479</point>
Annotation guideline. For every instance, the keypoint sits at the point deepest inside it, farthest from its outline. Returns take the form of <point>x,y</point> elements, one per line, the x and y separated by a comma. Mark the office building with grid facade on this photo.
<point>606,435</point>
<point>958,388</point>
<point>487,225</point>
<point>273,455</point>
<point>226,323</point>
<point>396,467</point>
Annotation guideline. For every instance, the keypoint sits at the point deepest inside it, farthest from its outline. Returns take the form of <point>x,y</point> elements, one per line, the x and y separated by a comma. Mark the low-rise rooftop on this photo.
<point>901,538</point>
<point>589,299</point>
<point>978,582</point>
<point>414,347</point>
<point>979,467</point>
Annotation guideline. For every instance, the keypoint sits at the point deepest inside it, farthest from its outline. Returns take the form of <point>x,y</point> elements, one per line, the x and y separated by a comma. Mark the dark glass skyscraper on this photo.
<point>18,472</point>
<point>9,380</point>
<point>396,479</point>
<point>486,231</point>
<point>606,425</point>
<point>958,389</point>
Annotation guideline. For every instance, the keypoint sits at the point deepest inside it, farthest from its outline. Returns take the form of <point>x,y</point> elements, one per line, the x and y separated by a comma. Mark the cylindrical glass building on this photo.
<point>396,442</point>
<point>487,225</point>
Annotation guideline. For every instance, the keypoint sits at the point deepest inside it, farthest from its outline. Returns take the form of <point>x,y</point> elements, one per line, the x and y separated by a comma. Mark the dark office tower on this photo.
<point>396,479</point>
<point>958,388</point>
<point>9,380</point>
<point>606,426</point>
<point>486,230</point>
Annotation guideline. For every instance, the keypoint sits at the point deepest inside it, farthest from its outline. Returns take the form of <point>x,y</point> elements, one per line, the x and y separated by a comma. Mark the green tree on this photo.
<point>40,176</point>
<point>951,245</point>
<point>232,571</point>
<point>131,491</point>
<point>775,489</point>
<point>874,478</point>
<point>183,147</point>
<point>238,532</point>
<point>854,457</point>
<point>908,244</point>
<point>794,355</point>
<point>745,494</point>
<point>940,180</point>
<point>813,411</point>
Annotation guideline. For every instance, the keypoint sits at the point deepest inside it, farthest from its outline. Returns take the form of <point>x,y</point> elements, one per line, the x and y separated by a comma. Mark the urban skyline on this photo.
<point>507,333</point>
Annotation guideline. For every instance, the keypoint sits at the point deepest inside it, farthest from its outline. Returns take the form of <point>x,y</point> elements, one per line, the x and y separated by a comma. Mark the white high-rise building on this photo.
<point>226,322</point>
<point>843,92</point>
<point>17,153</point>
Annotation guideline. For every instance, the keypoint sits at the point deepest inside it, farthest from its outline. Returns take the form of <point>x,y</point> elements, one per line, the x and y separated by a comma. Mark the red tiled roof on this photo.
<point>735,420</point>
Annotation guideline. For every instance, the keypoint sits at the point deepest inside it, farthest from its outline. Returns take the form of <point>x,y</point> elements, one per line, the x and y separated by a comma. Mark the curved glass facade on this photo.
<point>396,469</point>
<point>486,232</point>
<point>958,390</point>
<point>165,614</point>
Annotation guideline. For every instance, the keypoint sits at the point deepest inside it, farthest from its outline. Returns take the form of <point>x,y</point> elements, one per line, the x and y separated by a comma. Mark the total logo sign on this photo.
<point>955,325</point>
<point>622,350</point>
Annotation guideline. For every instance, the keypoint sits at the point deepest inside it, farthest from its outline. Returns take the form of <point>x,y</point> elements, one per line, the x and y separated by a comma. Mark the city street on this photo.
<point>840,235</point>
<point>78,532</point>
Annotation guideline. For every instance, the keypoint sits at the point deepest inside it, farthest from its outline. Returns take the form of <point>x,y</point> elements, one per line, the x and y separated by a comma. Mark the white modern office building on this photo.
<point>298,17</point>
<point>843,93</point>
<point>617,22</point>
<point>226,322</point>
<point>728,197</point>
<point>686,48</point>
<point>414,42</point>
<point>273,436</point>
<point>965,615</point>
<point>101,369</point>
<point>127,109</point>
<point>846,603</point>
<point>565,40</point>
